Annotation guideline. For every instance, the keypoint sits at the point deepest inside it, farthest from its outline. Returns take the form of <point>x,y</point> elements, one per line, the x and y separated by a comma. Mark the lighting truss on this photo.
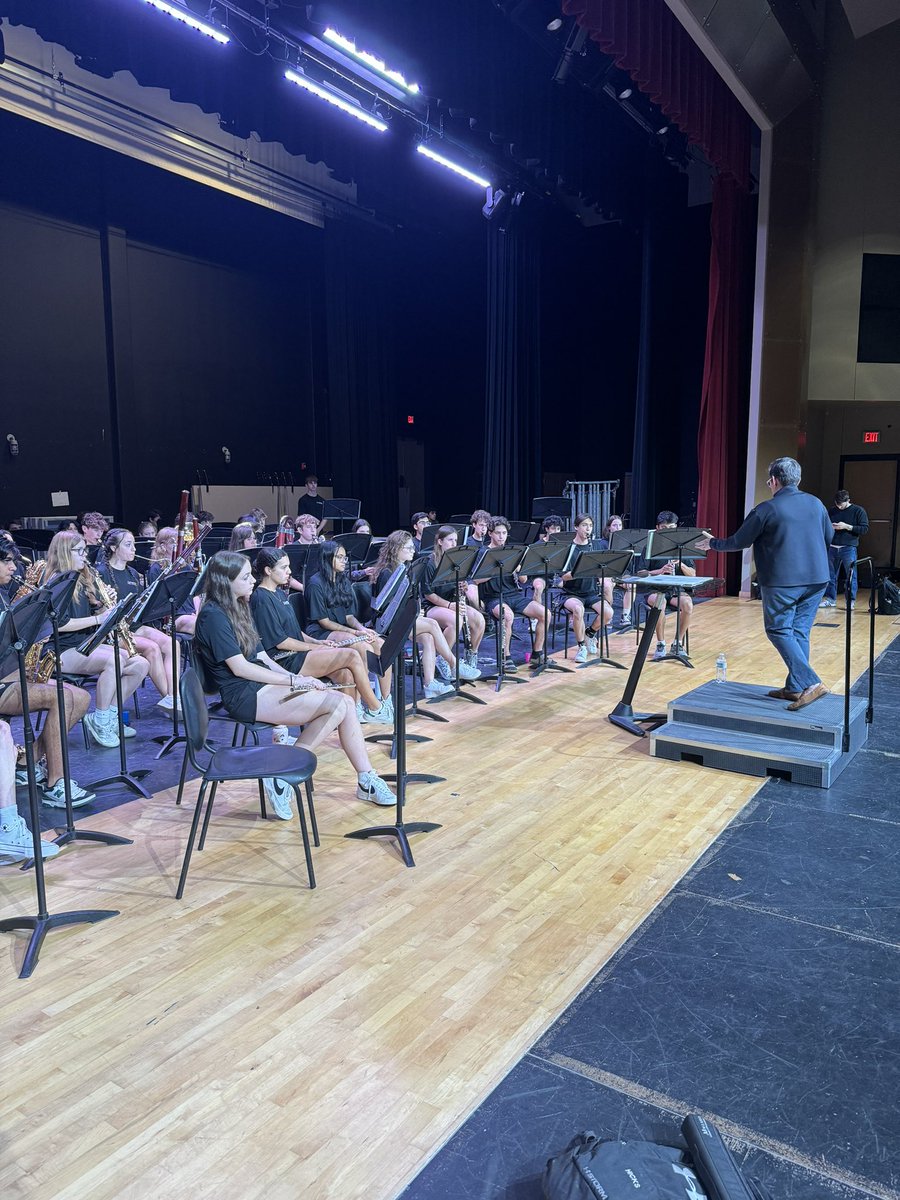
<point>347,106</point>
<point>378,65</point>
<point>452,166</point>
<point>186,18</point>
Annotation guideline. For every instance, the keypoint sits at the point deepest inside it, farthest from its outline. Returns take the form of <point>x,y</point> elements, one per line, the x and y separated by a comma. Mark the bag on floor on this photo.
<point>888,599</point>
<point>593,1169</point>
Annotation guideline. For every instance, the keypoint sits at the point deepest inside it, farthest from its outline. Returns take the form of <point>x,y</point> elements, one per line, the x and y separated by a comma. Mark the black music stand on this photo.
<point>523,533</point>
<point>61,589</point>
<point>605,564</point>
<point>402,624</point>
<point>169,593</point>
<point>357,546</point>
<point>455,566</point>
<point>623,714</point>
<point>544,560</point>
<point>550,506</point>
<point>305,559</point>
<point>429,533</point>
<point>18,632</point>
<point>666,543</point>
<point>634,540</point>
<point>499,561</point>
<point>342,510</point>
<point>396,631</point>
<point>110,627</point>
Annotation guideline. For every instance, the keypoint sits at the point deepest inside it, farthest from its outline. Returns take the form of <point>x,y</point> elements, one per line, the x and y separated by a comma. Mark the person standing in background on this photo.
<point>850,522</point>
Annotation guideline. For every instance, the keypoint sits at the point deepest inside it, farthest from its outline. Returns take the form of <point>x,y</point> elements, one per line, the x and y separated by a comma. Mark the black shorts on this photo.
<point>588,601</point>
<point>292,662</point>
<point>517,601</point>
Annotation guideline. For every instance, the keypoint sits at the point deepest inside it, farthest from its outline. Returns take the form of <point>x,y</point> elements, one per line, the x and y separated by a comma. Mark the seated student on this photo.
<point>161,557</point>
<point>681,602</point>
<point>361,526</point>
<point>15,837</point>
<point>243,536</point>
<point>87,611</point>
<point>286,644</point>
<point>333,608</point>
<point>152,644</point>
<point>306,530</point>
<point>93,525</point>
<point>254,688</point>
<point>515,603</point>
<point>585,593</point>
<point>478,527</point>
<point>442,601</point>
<point>42,697</point>
<point>417,522</point>
<point>549,526</point>
<point>614,525</point>
<point>397,550</point>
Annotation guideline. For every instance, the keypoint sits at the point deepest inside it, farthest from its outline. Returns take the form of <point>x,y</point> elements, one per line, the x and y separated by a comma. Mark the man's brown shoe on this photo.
<point>783,694</point>
<point>816,692</point>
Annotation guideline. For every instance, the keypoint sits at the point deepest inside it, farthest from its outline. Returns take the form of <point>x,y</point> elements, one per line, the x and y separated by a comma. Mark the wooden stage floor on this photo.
<point>257,1039</point>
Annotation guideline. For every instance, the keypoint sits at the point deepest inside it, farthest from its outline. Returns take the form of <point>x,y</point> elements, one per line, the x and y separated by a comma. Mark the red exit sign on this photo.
<point>871,437</point>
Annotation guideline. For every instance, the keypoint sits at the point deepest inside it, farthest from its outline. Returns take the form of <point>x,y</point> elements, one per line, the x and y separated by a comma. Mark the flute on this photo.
<point>308,687</point>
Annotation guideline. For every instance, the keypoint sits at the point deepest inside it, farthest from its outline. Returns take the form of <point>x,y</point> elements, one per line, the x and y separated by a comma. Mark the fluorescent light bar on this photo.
<point>452,166</point>
<point>369,60</point>
<point>346,106</point>
<point>190,20</point>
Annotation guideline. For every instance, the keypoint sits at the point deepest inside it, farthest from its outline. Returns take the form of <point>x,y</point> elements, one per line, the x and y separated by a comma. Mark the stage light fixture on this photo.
<point>555,25</point>
<point>452,166</point>
<point>378,65</point>
<point>626,93</point>
<point>347,106</point>
<point>186,18</point>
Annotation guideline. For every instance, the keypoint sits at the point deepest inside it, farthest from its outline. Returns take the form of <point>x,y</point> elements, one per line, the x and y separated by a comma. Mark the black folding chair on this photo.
<point>288,763</point>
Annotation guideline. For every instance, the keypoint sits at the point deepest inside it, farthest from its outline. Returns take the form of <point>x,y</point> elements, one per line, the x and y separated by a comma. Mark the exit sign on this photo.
<point>871,437</point>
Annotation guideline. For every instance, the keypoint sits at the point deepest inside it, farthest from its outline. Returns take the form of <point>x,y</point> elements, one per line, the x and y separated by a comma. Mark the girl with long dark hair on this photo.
<point>443,600</point>
<point>255,688</point>
<point>285,642</point>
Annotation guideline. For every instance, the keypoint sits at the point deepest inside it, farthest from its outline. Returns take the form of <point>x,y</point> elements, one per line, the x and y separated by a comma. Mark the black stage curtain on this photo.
<point>359,349</point>
<point>512,447</point>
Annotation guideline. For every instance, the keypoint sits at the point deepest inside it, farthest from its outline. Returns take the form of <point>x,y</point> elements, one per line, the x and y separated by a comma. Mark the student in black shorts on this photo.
<point>253,687</point>
<point>332,606</point>
<point>585,594</point>
<point>442,601</point>
<point>285,642</point>
<point>515,602</point>
<point>675,600</point>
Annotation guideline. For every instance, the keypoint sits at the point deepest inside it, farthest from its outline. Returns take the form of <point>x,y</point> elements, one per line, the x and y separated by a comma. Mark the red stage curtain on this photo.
<point>647,42</point>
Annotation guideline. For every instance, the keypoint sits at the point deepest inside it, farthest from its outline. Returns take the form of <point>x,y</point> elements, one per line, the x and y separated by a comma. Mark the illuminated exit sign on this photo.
<point>871,437</point>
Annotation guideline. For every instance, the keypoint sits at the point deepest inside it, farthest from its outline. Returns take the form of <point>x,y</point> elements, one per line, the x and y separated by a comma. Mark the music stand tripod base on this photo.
<point>399,831</point>
<point>626,718</point>
<point>41,926</point>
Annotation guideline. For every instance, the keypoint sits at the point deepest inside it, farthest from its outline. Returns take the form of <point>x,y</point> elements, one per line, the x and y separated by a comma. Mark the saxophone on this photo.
<point>40,666</point>
<point>109,599</point>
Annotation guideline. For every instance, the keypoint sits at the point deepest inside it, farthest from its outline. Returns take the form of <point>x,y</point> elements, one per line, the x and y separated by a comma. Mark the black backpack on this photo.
<point>888,599</point>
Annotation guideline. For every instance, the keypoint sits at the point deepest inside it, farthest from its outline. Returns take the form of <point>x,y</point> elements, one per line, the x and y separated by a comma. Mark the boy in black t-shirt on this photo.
<point>515,603</point>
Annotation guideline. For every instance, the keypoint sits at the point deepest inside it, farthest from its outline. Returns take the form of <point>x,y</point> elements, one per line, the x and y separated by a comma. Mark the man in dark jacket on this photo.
<point>849,522</point>
<point>790,535</point>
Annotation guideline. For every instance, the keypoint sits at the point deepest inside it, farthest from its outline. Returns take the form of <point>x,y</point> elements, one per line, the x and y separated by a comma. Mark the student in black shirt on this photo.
<point>398,549</point>
<point>850,522</point>
<point>478,527</point>
<point>161,556</point>
<point>418,521</point>
<point>332,607</point>
<point>585,593</point>
<point>515,602</point>
<point>311,502</point>
<point>67,552</point>
<point>680,601</point>
<point>151,643</point>
<point>255,688</point>
<point>442,600</point>
<point>284,641</point>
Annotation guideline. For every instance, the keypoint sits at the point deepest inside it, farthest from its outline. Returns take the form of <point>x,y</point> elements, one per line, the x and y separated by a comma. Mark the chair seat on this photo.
<point>289,763</point>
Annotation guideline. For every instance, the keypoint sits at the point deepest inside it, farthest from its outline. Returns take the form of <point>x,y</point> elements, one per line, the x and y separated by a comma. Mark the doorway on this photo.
<point>872,481</point>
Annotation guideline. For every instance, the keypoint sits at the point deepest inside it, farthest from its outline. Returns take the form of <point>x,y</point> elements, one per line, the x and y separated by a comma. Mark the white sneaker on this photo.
<point>166,702</point>
<point>55,797</point>
<point>376,716</point>
<point>129,732</point>
<point>660,651</point>
<point>581,654</point>
<point>591,646</point>
<point>281,736</point>
<point>444,669</point>
<point>373,788</point>
<point>101,729</point>
<point>467,672</point>
<point>436,688</point>
<point>278,794</point>
<point>40,774</point>
<point>471,657</point>
<point>16,843</point>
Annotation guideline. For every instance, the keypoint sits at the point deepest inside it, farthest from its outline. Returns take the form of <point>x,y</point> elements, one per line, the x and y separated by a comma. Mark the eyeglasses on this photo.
<point>340,558</point>
<point>78,550</point>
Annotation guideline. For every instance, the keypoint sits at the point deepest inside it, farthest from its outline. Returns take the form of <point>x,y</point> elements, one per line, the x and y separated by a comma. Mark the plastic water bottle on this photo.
<point>126,717</point>
<point>721,669</point>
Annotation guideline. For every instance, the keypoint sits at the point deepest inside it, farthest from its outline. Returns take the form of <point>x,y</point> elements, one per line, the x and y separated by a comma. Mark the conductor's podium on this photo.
<point>738,727</point>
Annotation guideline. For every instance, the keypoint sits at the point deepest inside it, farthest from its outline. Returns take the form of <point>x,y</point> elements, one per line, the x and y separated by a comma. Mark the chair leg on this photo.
<point>312,812</point>
<point>209,805</point>
<point>190,846</point>
<point>84,734</point>
<point>184,766</point>
<point>137,707</point>
<point>262,800</point>
<point>304,833</point>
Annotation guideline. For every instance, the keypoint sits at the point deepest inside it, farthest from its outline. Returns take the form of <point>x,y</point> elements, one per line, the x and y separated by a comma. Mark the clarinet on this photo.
<point>464,615</point>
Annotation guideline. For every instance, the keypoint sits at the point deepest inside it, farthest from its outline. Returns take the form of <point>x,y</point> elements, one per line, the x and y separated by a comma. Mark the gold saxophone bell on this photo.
<point>109,599</point>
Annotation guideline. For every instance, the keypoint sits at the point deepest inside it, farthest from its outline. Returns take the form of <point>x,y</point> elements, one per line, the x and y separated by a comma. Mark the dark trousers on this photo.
<point>788,615</point>
<point>842,556</point>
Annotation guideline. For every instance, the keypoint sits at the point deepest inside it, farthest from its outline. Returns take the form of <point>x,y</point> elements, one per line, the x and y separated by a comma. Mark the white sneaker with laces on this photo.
<point>278,794</point>
<point>581,654</point>
<point>660,651</point>
<point>101,728</point>
<point>16,843</point>
<point>471,657</point>
<point>436,688</point>
<point>467,672</point>
<point>372,787</point>
<point>591,645</point>
<point>444,669</point>
<point>377,716</point>
<point>40,774</point>
<point>55,797</point>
